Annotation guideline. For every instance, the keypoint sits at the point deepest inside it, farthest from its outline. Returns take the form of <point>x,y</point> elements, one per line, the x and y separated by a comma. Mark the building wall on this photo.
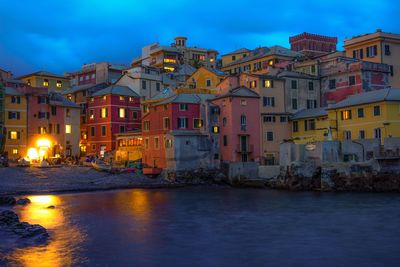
<point>229,58</point>
<point>137,80</point>
<point>319,134</point>
<point>38,81</point>
<point>71,140</point>
<point>199,79</point>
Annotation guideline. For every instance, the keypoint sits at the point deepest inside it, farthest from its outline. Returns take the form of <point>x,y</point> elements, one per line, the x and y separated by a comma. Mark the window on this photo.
<point>283,119</point>
<point>295,126</point>
<point>332,84</point>
<point>361,134</point>
<point>387,50</point>
<point>68,112</point>
<point>103,130</point>
<point>83,119</point>
<point>208,83</point>
<point>360,113</point>
<point>92,131</point>
<point>146,126</point>
<point>50,128</point>
<point>269,136</point>
<point>372,51</point>
<point>158,86</point>
<point>93,146</point>
<point>269,118</point>
<point>268,83</point>
<point>271,62</point>
<point>92,99</point>
<point>16,99</point>
<point>81,78</point>
<point>377,110</point>
<point>93,76</point>
<point>269,101</point>
<point>15,151</point>
<point>122,113</point>
<point>42,99</point>
<point>310,86</point>
<point>243,120</point>
<point>68,129</point>
<point>135,115</point>
<point>42,115</point>
<point>225,141</point>
<point>58,128</point>
<point>346,115</point>
<point>352,80</point>
<point>13,135</point>
<point>233,58</point>
<point>122,128</point>
<point>156,143</point>
<point>313,69</point>
<point>45,82</point>
<point>182,123</point>
<point>294,103</point>
<point>347,135</point>
<point>146,143</point>
<point>104,98</point>
<point>215,129</point>
<point>121,98</point>
<point>224,121</point>
<point>183,107</point>
<point>166,123</point>
<point>253,84</point>
<point>91,114</point>
<point>377,133</point>
<point>168,143</point>
<point>294,84</point>
<point>197,123</point>
<point>311,103</point>
<point>59,84</point>
<point>391,70</point>
<point>42,130</point>
<point>309,125</point>
<point>104,113</point>
<point>87,77</point>
<point>144,84</point>
<point>53,110</point>
<point>243,102</point>
<point>14,115</point>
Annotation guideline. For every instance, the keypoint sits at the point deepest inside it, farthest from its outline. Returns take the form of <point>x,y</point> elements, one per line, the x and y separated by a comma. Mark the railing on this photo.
<point>247,149</point>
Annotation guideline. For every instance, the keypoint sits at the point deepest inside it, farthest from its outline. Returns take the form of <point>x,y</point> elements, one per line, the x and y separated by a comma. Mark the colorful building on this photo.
<point>205,78</point>
<point>310,125</point>
<point>312,44</point>
<point>377,47</point>
<point>239,130</point>
<point>129,146</point>
<point>168,58</point>
<point>112,110</point>
<point>234,56</point>
<point>51,81</point>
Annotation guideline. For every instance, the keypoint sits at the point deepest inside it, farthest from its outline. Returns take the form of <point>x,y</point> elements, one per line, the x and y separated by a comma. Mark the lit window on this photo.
<point>169,68</point>
<point>59,84</point>
<point>197,123</point>
<point>15,151</point>
<point>168,143</point>
<point>91,114</point>
<point>346,115</point>
<point>45,82</point>
<point>215,129</point>
<point>122,113</point>
<point>121,98</point>
<point>104,98</point>
<point>271,62</point>
<point>169,60</point>
<point>92,99</point>
<point>267,83</point>
<point>13,135</point>
<point>68,128</point>
<point>103,113</point>
<point>253,84</point>
<point>243,102</point>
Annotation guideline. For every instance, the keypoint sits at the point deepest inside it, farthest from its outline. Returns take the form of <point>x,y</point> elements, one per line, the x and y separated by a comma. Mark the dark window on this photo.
<point>53,110</point>
<point>311,86</point>
<point>269,101</point>
<point>225,140</point>
<point>352,80</point>
<point>50,128</point>
<point>134,115</point>
<point>92,131</point>
<point>208,83</point>
<point>294,103</point>
<point>158,86</point>
<point>391,70</point>
<point>270,136</point>
<point>233,58</point>
<point>122,128</point>
<point>144,84</point>
<point>387,50</point>
<point>313,69</point>
<point>58,129</point>
<point>332,84</point>
<point>361,134</point>
<point>103,130</point>
<point>377,110</point>
<point>311,103</point>
<point>294,84</point>
<point>183,107</point>
<point>283,119</point>
<point>16,99</point>
<point>295,126</point>
<point>360,112</point>
<point>361,53</point>
<point>269,118</point>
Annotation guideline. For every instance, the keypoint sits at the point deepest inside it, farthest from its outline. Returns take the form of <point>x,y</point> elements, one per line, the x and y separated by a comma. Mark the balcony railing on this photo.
<point>247,149</point>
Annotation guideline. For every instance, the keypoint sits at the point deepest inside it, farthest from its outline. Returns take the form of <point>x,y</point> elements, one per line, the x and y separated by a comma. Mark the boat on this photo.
<point>101,166</point>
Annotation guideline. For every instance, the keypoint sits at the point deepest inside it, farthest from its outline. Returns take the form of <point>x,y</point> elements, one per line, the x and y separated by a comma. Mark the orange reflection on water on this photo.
<point>64,236</point>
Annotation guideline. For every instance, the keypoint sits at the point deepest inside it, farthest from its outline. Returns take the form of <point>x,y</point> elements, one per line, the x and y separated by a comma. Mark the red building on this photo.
<point>312,44</point>
<point>112,110</point>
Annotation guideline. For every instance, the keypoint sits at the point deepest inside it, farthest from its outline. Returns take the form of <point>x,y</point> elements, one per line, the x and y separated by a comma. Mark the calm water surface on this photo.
<point>214,227</point>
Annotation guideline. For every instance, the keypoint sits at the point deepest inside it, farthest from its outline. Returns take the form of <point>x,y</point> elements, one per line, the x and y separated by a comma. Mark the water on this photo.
<point>214,227</point>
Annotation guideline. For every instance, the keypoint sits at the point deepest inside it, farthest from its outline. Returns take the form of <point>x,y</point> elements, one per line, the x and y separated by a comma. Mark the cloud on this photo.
<point>60,35</point>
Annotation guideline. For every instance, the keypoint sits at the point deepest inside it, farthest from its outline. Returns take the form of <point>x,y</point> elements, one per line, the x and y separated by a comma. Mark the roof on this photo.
<point>388,94</point>
<point>185,69</point>
<point>60,100</point>
<point>309,113</point>
<point>186,99</point>
<point>216,71</point>
<point>167,92</point>
<point>240,50</point>
<point>45,74</point>
<point>295,74</point>
<point>239,92</point>
<point>11,91</point>
<point>78,88</point>
<point>116,90</point>
<point>265,51</point>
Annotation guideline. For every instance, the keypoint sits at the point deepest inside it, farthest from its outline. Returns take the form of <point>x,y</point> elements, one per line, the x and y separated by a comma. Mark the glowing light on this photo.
<point>32,153</point>
<point>43,143</point>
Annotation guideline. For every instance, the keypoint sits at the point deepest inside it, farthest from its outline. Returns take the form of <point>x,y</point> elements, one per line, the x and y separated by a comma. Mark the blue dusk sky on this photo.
<point>60,36</point>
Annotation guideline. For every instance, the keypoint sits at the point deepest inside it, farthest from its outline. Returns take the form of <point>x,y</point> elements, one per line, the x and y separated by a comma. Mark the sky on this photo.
<point>61,35</point>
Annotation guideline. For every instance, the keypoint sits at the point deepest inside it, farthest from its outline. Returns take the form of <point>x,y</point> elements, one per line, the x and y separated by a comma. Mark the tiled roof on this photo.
<point>45,74</point>
<point>78,88</point>
<point>59,100</point>
<point>116,90</point>
<point>185,69</point>
<point>186,99</point>
<point>240,50</point>
<point>309,113</point>
<point>216,71</point>
<point>388,94</point>
<point>295,74</point>
<point>240,92</point>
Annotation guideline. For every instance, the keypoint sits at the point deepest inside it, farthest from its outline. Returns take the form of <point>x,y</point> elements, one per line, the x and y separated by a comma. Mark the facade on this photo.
<point>51,81</point>
<point>377,47</point>
<point>112,110</point>
<point>234,56</point>
<point>175,135</point>
<point>168,58</point>
<point>129,146</point>
<point>312,44</point>
<point>310,125</point>
<point>5,75</point>
<point>261,60</point>
<point>205,78</point>
<point>239,126</point>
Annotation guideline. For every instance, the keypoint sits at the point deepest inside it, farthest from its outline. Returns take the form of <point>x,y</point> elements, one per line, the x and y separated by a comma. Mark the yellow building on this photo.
<point>129,146</point>
<point>46,79</point>
<point>310,125</point>
<point>369,115</point>
<point>378,47</point>
<point>260,60</point>
<point>15,123</point>
<point>205,78</point>
<point>234,56</point>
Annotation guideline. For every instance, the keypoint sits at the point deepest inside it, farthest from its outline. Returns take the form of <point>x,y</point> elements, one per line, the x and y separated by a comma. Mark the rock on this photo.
<point>219,178</point>
<point>23,201</point>
<point>51,207</point>
<point>7,200</point>
<point>8,217</point>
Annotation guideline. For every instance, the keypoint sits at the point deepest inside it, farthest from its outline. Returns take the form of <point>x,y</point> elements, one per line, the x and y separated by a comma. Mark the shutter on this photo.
<point>273,101</point>
<point>126,113</point>
<point>9,115</point>
<point>106,112</point>
<point>264,101</point>
<point>375,50</point>
<point>18,135</point>
<point>368,55</point>
<point>48,115</point>
<point>362,53</point>
<point>272,83</point>
<point>18,115</point>
<point>9,134</point>
<point>341,114</point>
<point>354,54</point>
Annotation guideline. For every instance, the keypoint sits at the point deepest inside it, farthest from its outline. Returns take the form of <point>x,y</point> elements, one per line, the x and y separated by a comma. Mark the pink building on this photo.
<point>239,135</point>
<point>112,110</point>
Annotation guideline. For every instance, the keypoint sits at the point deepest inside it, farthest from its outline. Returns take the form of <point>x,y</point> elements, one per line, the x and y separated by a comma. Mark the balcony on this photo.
<point>242,150</point>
